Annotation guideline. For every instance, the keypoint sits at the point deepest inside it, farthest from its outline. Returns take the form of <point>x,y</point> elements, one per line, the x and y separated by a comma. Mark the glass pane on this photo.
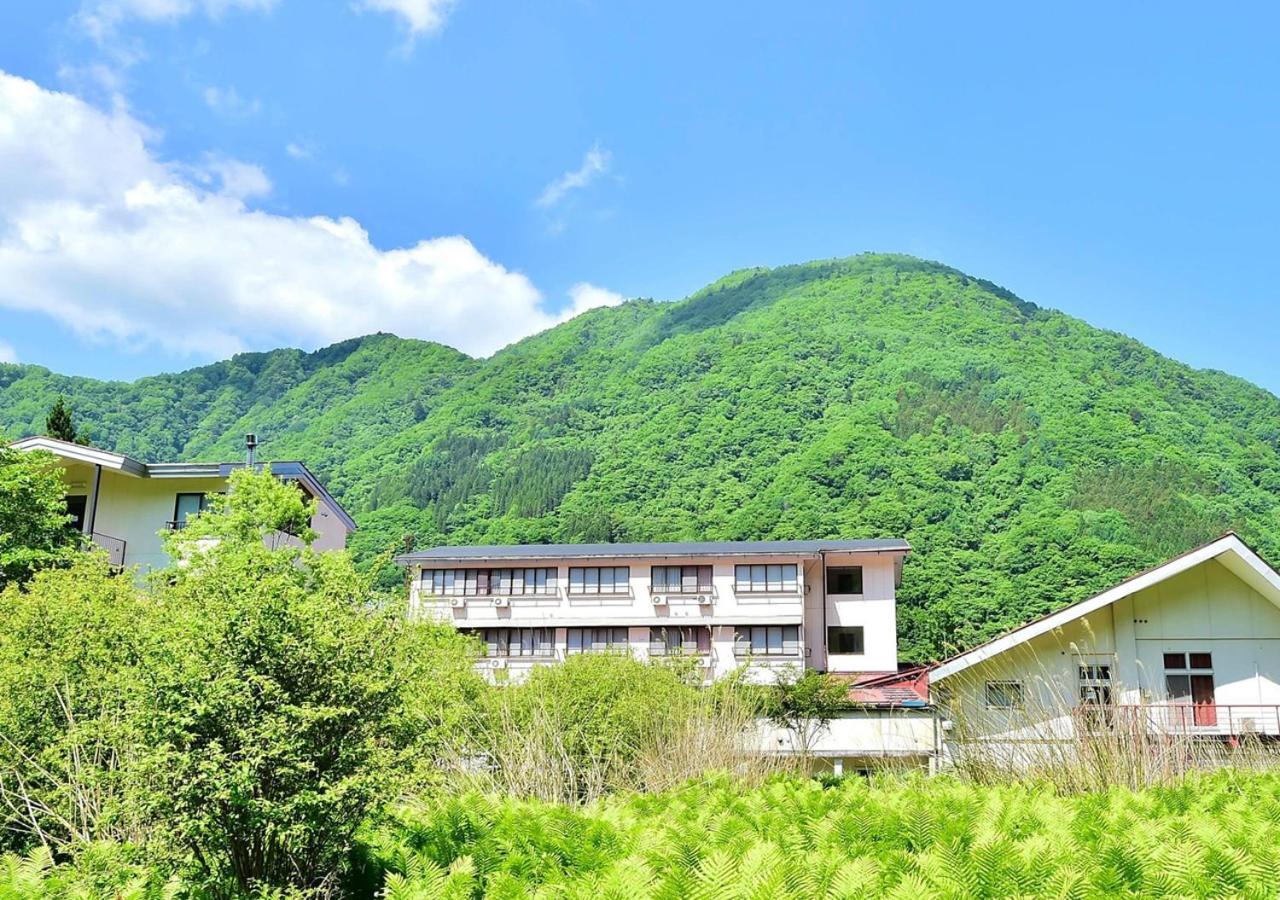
<point>757,578</point>
<point>574,642</point>
<point>704,578</point>
<point>1178,687</point>
<point>689,579</point>
<point>775,639</point>
<point>188,505</point>
<point>704,640</point>
<point>791,640</point>
<point>576,585</point>
<point>741,578</point>
<point>789,578</point>
<point>1202,660</point>
<point>448,581</point>
<point>1175,660</point>
<point>591,580</point>
<point>773,577</point>
<point>758,642</point>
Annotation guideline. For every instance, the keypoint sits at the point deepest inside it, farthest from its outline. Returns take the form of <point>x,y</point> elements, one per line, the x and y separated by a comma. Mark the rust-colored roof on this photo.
<point>908,687</point>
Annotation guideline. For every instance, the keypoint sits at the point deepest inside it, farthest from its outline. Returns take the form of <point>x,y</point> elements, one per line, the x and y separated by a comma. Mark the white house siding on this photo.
<point>863,738</point>
<point>1206,609</point>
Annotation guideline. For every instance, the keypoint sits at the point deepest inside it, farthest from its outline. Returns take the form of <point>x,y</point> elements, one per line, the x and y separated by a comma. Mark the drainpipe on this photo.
<point>823,555</point>
<point>93,511</point>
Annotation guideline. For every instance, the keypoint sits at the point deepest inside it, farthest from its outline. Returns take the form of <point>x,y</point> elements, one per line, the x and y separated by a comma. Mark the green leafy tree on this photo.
<point>34,532</point>
<point>58,423</point>
<point>70,676</point>
<point>280,694</point>
<point>804,703</point>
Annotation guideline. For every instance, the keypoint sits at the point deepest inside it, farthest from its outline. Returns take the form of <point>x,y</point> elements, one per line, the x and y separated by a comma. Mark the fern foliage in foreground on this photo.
<point>1218,836</point>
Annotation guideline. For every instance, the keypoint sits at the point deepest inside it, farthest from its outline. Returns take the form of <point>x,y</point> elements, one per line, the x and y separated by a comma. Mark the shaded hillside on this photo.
<point>1030,458</point>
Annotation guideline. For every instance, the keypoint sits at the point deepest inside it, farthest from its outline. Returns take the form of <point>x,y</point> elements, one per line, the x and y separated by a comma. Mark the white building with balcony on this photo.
<point>827,605</point>
<point>123,504</point>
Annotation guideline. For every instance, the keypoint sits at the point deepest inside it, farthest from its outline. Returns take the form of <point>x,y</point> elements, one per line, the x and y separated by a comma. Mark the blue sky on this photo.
<point>242,174</point>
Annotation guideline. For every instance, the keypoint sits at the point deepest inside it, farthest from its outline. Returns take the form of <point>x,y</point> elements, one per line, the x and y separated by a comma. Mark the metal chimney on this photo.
<point>250,445</point>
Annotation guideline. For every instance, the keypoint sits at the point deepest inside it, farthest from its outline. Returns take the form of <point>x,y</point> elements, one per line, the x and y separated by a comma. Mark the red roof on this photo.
<point>908,687</point>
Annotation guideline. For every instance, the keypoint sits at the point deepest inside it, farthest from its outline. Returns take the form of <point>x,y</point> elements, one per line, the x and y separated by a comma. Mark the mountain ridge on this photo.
<point>1030,458</point>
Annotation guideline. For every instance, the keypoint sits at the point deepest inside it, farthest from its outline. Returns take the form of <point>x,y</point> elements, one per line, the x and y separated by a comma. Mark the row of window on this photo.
<point>1188,679</point>
<point>748,640</point>
<point>768,578</point>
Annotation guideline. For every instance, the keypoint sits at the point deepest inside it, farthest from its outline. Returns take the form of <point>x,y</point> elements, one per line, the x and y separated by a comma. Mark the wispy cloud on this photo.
<point>7,353</point>
<point>298,150</point>
<point>594,164</point>
<point>228,102</point>
<point>417,17</point>
<point>100,18</point>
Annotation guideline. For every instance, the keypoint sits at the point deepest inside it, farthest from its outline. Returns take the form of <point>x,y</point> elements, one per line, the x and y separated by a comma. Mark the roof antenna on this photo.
<point>250,445</point>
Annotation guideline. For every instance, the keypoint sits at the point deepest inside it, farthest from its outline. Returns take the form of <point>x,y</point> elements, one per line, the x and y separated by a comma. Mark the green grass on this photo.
<point>1217,835</point>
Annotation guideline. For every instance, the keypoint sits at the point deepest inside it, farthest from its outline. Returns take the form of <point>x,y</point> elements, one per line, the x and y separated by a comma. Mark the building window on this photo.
<point>766,640</point>
<point>844,580</point>
<point>756,579</point>
<point>77,505</point>
<point>597,640</point>
<point>680,579</point>
<point>845,639</point>
<point>599,580</point>
<point>519,642</point>
<point>1095,694</point>
<point>673,641</point>
<point>186,506</point>
<point>1188,680</point>
<point>1004,695</point>
<point>488,582</point>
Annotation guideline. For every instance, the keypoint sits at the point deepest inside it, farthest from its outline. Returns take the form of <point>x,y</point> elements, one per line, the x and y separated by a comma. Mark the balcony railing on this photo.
<point>1214,719</point>
<point>114,546</point>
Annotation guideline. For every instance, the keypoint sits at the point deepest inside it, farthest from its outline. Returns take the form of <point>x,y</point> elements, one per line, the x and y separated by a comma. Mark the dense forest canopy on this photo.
<point>1029,458</point>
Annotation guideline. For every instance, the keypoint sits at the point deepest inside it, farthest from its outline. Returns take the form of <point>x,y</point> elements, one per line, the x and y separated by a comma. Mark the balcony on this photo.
<point>1226,720</point>
<point>114,547</point>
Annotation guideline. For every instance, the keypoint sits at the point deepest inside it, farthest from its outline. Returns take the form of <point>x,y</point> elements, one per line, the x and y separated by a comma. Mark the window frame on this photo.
<point>752,586</point>
<point>861,632</point>
<point>689,579</point>
<point>838,570</point>
<point>176,523</point>
<point>490,582</point>
<point>590,586</point>
<point>611,644</point>
<point>767,640</point>
<point>661,645</point>
<point>1005,684</point>
<point>502,643</point>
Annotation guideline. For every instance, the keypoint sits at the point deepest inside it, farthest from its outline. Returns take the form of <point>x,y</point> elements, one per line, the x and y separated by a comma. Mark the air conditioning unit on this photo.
<point>497,663</point>
<point>705,599</point>
<point>659,599</point>
<point>501,601</point>
<point>457,602</point>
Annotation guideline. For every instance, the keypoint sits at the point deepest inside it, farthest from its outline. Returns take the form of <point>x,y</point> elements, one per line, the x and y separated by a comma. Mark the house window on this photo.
<point>764,579</point>
<point>844,580</point>
<point>599,580</point>
<point>673,641</point>
<point>680,579</point>
<point>766,640</point>
<point>597,640</point>
<point>845,639</point>
<point>488,582</point>
<point>76,506</point>
<point>1094,680</point>
<point>1188,680</point>
<point>1004,695</point>
<point>519,642</point>
<point>186,506</point>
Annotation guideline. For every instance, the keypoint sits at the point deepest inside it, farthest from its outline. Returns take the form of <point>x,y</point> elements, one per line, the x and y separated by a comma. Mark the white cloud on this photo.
<point>584,296</point>
<point>419,17</point>
<point>100,18</point>
<point>228,102</point>
<point>101,234</point>
<point>594,164</point>
<point>7,353</point>
<point>297,150</point>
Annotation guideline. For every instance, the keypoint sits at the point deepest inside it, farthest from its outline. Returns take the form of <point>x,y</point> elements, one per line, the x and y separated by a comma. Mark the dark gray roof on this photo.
<point>677,548</point>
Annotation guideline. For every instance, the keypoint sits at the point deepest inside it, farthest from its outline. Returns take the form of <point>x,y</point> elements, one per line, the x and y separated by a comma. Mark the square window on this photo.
<point>1175,660</point>
<point>1202,660</point>
<point>844,580</point>
<point>1004,694</point>
<point>845,639</point>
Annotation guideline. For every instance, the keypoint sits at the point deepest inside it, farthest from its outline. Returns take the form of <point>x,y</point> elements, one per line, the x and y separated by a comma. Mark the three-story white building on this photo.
<point>823,604</point>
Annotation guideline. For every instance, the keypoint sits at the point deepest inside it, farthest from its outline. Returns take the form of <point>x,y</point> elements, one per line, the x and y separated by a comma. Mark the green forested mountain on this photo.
<point>1029,458</point>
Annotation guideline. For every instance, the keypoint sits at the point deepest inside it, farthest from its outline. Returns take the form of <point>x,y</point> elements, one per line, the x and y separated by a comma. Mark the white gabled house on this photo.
<point>123,504</point>
<point>1189,648</point>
